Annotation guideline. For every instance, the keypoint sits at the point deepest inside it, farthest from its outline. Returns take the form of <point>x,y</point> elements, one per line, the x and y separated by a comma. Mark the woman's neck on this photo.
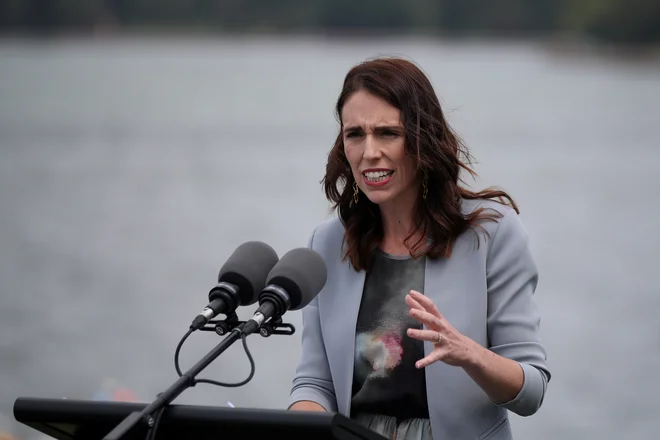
<point>398,223</point>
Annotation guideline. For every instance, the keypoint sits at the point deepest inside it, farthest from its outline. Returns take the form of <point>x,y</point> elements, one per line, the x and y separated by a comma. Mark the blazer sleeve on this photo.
<point>513,316</point>
<point>312,380</point>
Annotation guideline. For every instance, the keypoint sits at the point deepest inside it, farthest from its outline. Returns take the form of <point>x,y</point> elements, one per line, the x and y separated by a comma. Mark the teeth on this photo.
<point>377,176</point>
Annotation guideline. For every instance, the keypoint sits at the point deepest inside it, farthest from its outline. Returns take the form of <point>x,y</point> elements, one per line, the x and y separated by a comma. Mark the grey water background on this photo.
<point>130,169</point>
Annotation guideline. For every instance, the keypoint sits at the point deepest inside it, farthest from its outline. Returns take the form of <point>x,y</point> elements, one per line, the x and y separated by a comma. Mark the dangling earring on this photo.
<point>355,192</point>
<point>425,187</point>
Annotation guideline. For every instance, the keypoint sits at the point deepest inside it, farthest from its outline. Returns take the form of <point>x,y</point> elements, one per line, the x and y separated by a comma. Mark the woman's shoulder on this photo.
<point>327,235</point>
<point>468,206</point>
<point>498,218</point>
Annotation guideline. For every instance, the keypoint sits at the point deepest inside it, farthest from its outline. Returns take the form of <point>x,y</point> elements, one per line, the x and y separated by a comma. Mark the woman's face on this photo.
<point>374,144</point>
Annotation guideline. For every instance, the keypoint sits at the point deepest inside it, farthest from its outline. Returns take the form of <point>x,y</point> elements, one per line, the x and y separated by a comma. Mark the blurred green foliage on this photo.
<point>612,21</point>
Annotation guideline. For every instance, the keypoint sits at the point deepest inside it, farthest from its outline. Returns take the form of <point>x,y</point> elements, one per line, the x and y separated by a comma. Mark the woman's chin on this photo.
<point>378,197</point>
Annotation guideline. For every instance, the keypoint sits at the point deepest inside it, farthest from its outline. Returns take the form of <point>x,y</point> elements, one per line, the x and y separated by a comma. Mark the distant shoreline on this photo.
<point>560,46</point>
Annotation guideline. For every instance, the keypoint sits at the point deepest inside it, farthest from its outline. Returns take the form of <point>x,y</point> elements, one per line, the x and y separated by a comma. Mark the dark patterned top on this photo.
<point>385,379</point>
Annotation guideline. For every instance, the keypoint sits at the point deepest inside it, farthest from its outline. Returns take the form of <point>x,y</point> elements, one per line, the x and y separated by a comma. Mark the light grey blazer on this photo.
<point>485,290</point>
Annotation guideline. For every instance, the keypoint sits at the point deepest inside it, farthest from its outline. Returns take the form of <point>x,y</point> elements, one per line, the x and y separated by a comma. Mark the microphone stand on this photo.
<point>187,379</point>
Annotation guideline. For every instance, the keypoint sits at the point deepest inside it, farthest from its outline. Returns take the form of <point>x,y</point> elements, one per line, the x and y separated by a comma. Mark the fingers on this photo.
<point>413,304</point>
<point>423,335</point>
<point>439,350</point>
<point>425,302</point>
<point>426,318</point>
<point>434,356</point>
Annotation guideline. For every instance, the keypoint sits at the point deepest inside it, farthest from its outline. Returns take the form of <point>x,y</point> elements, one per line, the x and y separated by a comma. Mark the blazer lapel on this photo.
<point>339,335</point>
<point>433,290</point>
<point>445,285</point>
<point>448,284</point>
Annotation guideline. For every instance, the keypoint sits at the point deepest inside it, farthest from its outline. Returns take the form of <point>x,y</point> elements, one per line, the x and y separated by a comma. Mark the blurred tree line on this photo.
<point>616,21</point>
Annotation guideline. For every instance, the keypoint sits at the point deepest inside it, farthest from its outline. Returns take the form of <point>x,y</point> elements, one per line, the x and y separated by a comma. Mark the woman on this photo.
<point>427,323</point>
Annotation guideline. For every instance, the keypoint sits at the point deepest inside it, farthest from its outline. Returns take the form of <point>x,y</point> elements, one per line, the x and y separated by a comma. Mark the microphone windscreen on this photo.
<point>302,273</point>
<point>248,268</point>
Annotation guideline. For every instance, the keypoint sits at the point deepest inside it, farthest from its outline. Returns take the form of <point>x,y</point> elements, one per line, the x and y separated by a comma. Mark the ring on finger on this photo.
<point>438,339</point>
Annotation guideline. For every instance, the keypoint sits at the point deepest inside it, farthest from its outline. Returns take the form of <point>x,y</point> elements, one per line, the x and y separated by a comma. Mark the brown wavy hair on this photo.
<point>439,154</point>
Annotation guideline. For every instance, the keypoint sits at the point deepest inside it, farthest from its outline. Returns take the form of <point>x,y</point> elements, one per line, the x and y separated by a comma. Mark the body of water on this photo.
<point>131,169</point>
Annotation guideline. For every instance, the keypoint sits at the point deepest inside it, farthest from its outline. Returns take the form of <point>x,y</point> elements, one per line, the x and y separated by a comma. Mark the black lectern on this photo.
<point>90,420</point>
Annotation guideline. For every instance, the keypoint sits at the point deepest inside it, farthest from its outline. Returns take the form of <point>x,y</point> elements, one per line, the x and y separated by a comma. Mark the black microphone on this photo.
<point>240,280</point>
<point>292,284</point>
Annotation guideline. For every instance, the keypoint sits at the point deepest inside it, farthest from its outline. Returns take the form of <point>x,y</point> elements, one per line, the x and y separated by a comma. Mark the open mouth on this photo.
<point>377,176</point>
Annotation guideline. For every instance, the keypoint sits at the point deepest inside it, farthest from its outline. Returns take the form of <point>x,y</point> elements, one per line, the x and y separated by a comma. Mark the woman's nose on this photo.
<point>371,147</point>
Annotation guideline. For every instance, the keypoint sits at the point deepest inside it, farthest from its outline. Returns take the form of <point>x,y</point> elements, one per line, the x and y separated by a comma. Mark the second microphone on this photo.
<point>294,282</point>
